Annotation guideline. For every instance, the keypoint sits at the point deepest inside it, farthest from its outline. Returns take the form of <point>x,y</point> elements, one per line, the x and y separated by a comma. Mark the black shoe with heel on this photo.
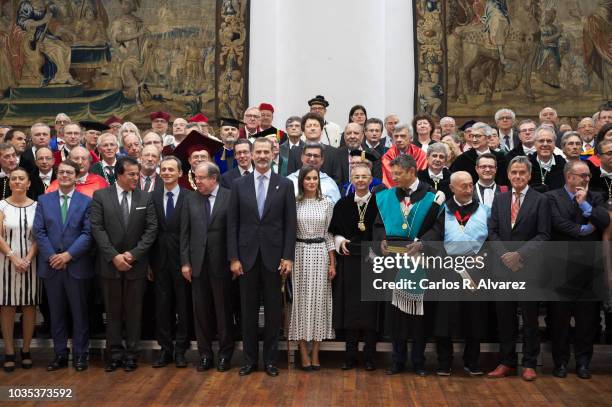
<point>26,360</point>
<point>9,359</point>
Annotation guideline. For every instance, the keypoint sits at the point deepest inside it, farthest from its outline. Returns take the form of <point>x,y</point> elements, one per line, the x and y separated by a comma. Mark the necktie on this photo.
<point>169,204</point>
<point>207,207</point>
<point>147,184</point>
<point>247,172</point>
<point>125,208</point>
<point>507,142</point>
<point>261,195</point>
<point>109,171</point>
<point>516,205</point>
<point>64,208</point>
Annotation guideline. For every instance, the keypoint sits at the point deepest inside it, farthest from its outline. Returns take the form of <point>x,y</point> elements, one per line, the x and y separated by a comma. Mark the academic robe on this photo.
<point>414,151</point>
<point>92,183</point>
<point>443,185</point>
<point>542,180</point>
<point>224,159</point>
<point>349,312</point>
<point>184,180</point>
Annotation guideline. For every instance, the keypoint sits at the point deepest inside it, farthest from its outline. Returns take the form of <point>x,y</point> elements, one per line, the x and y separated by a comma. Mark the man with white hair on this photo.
<point>508,135</point>
<point>61,120</point>
<point>546,166</point>
<point>479,137</point>
<point>586,129</point>
<point>402,136</point>
<point>40,134</point>
<point>391,120</point>
<point>549,117</point>
<point>252,123</point>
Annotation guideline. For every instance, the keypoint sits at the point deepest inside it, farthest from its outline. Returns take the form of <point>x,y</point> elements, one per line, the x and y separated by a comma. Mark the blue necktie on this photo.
<point>169,204</point>
<point>261,195</point>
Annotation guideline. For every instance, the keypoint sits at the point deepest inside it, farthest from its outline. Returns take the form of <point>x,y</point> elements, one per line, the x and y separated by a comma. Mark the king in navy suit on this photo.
<point>63,233</point>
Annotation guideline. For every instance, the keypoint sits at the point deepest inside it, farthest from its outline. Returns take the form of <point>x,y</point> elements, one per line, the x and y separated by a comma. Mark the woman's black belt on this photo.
<point>311,241</point>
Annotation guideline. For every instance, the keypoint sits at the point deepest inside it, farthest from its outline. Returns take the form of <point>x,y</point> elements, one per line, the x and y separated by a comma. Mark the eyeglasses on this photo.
<point>310,155</point>
<point>65,172</point>
<point>527,130</point>
<point>582,175</point>
<point>505,118</point>
<point>252,116</point>
<point>607,154</point>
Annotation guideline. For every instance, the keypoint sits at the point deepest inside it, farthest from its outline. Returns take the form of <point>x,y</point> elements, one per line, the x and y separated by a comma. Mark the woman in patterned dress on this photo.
<point>19,285</point>
<point>315,267</point>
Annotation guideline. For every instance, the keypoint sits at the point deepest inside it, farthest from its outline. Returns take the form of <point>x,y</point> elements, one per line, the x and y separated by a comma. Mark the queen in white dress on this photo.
<point>315,267</point>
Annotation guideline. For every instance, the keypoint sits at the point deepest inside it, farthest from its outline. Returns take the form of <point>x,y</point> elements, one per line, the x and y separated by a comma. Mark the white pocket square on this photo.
<point>138,208</point>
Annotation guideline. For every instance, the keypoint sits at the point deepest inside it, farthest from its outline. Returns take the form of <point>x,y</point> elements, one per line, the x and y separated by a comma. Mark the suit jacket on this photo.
<point>515,139</point>
<point>567,217</point>
<point>381,149</point>
<point>273,234</point>
<point>496,191</point>
<point>37,187</point>
<point>113,237</point>
<point>165,253</point>
<point>284,148</point>
<point>467,162</point>
<point>532,226</point>
<point>331,165</point>
<point>516,151</point>
<point>159,184</point>
<point>342,156</point>
<point>227,179</point>
<point>98,169</point>
<point>27,160</point>
<point>54,237</point>
<point>204,240</point>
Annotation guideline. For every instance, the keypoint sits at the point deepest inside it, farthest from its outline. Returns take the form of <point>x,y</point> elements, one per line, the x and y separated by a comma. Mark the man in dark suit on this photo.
<point>108,147</point>
<point>204,263</point>
<point>508,134</point>
<point>479,136</point>
<point>486,189</point>
<point>149,180</point>
<point>18,140</point>
<point>63,234</point>
<point>8,162</point>
<point>44,174</point>
<point>260,242</point>
<point>526,144</point>
<point>312,126</point>
<point>373,133</point>
<point>171,289</point>
<point>243,155</point>
<point>579,217</point>
<point>124,226</point>
<point>40,135</point>
<point>521,215</point>
<point>293,125</point>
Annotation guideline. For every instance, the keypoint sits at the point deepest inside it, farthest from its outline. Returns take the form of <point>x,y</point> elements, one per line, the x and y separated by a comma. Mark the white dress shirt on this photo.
<point>120,196</point>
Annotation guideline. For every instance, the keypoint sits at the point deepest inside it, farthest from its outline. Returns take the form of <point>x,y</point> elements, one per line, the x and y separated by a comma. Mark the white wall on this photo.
<point>350,51</point>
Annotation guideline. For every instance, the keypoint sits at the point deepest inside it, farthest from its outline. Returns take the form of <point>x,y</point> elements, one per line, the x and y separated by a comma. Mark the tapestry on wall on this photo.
<point>477,56</point>
<point>95,58</point>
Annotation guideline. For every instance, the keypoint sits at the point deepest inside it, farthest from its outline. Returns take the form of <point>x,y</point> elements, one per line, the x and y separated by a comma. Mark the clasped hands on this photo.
<point>123,261</point>
<point>285,267</point>
<point>512,260</point>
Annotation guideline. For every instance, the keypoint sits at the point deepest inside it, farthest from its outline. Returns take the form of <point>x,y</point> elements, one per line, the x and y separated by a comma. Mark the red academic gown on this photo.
<point>92,183</point>
<point>418,154</point>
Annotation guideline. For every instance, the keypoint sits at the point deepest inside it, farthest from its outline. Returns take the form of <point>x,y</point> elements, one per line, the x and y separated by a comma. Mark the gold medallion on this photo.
<point>404,226</point>
<point>361,226</point>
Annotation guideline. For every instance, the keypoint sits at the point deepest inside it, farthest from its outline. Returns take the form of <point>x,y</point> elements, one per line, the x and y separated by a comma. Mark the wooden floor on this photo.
<point>329,387</point>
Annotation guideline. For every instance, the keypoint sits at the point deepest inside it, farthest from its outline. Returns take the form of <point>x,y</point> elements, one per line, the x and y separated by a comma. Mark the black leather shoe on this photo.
<point>395,369</point>
<point>272,370</point>
<point>247,370</point>
<point>224,365</point>
<point>205,364</point>
<point>164,359</point>
<point>179,360</point>
<point>369,366</point>
<point>80,363</point>
<point>60,362</point>
<point>583,372</point>
<point>420,371</point>
<point>443,371</point>
<point>348,365</point>
<point>560,371</point>
<point>130,365</point>
<point>113,365</point>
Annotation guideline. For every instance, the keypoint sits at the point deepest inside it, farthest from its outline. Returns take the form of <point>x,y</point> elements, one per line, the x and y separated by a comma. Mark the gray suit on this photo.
<point>123,291</point>
<point>203,246</point>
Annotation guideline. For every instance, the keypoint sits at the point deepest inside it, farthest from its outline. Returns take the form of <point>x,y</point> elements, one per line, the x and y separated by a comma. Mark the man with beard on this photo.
<point>149,161</point>
<point>224,158</point>
<point>353,140</point>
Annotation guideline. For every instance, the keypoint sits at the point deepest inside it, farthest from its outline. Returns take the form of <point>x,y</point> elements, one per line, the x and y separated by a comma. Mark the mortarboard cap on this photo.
<point>365,155</point>
<point>226,121</point>
<point>467,125</point>
<point>195,141</point>
<point>90,125</point>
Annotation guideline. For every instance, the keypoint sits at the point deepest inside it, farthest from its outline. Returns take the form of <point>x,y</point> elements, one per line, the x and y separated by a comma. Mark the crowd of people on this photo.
<point>195,229</point>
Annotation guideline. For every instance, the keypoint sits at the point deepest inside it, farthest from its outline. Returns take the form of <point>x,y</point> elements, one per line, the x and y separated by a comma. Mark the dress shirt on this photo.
<point>250,170</point>
<point>120,196</point>
<point>329,188</point>
<point>436,177</point>
<point>61,199</point>
<point>586,209</point>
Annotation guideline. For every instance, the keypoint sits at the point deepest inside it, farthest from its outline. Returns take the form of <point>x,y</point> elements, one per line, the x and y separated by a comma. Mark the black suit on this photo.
<point>331,164</point>
<point>203,247</point>
<point>515,139</point>
<point>123,291</point>
<point>531,228</point>
<point>171,288</point>
<point>576,273</point>
<point>157,184</point>
<point>342,156</point>
<point>260,244</point>
<point>380,148</point>
<point>37,187</point>
<point>28,160</point>
<point>467,162</point>
<point>227,179</point>
<point>515,152</point>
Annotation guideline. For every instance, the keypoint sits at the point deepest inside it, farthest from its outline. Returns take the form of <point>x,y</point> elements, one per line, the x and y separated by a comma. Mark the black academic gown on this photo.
<point>454,318</point>
<point>349,312</point>
<point>544,181</point>
<point>400,325</point>
<point>443,185</point>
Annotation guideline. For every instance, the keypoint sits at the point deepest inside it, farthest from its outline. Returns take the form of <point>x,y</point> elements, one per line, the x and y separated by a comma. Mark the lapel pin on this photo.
<point>277,187</point>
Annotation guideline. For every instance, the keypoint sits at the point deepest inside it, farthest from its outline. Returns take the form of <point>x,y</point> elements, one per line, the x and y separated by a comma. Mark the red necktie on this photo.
<point>514,209</point>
